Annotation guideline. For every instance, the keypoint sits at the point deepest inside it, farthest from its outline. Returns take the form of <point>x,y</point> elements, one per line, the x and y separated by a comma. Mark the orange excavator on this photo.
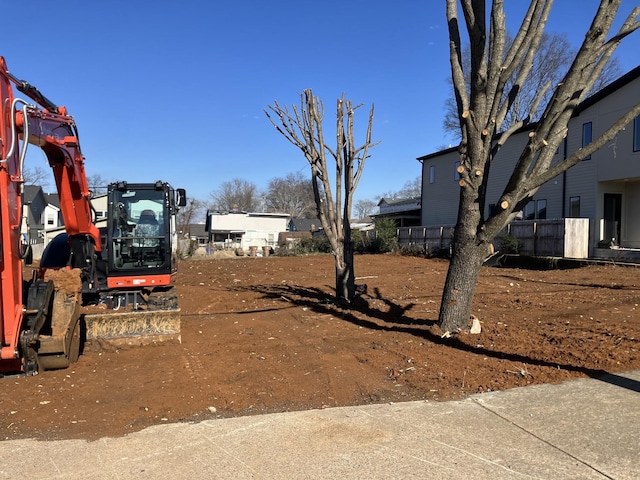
<point>111,282</point>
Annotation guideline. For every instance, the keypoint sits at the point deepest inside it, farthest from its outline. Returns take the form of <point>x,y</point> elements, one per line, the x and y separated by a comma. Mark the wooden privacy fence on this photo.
<point>564,237</point>
<point>432,239</point>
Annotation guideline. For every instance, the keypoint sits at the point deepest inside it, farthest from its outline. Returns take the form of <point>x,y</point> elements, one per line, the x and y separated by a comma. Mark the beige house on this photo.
<point>604,188</point>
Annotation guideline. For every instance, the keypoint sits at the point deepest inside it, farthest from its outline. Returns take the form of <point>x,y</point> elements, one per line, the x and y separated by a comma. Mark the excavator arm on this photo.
<point>56,134</point>
<point>50,128</point>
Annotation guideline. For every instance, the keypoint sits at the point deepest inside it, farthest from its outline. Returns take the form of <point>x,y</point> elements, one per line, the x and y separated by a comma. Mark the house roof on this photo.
<point>31,192</point>
<point>303,224</point>
<point>399,201</point>
<point>586,103</point>
<point>52,199</point>
<point>608,90</point>
<point>197,230</point>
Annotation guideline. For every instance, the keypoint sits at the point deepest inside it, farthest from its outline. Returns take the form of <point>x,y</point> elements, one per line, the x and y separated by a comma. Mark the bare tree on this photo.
<point>303,128</point>
<point>496,77</point>
<point>411,189</point>
<point>236,194</point>
<point>193,212</point>
<point>550,63</point>
<point>364,208</point>
<point>36,176</point>
<point>292,194</point>
<point>97,184</point>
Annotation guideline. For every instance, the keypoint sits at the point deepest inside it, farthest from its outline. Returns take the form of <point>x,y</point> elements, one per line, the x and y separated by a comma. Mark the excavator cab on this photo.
<point>138,263</point>
<point>141,233</point>
<point>139,237</point>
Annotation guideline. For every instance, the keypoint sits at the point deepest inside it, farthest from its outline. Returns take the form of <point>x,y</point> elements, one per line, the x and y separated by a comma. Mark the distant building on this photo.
<point>41,211</point>
<point>404,211</point>
<point>197,233</point>
<point>605,187</point>
<point>304,225</point>
<point>244,229</point>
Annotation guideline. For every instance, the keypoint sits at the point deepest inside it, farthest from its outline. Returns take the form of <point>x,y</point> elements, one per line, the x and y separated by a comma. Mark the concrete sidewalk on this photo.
<point>583,429</point>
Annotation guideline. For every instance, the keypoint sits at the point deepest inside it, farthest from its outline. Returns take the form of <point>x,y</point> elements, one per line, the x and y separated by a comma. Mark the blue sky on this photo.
<point>177,90</point>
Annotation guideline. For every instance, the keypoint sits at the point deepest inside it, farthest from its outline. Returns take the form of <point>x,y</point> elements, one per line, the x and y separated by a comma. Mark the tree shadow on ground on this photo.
<point>571,284</point>
<point>395,319</point>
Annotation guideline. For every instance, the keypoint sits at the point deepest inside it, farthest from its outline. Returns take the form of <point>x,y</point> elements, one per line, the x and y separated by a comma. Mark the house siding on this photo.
<point>614,169</point>
<point>439,199</point>
<point>245,230</point>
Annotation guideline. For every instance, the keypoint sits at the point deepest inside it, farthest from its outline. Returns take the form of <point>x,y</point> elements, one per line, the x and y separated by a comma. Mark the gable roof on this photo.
<point>31,192</point>
<point>197,230</point>
<point>608,90</point>
<point>399,201</point>
<point>52,199</point>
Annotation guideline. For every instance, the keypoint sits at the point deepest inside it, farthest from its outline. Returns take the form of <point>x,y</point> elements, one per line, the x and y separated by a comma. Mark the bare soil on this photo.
<point>263,335</point>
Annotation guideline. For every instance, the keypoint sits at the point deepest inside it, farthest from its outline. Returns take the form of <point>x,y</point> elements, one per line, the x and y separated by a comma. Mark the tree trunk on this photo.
<point>459,288</point>
<point>467,256</point>
<point>345,274</point>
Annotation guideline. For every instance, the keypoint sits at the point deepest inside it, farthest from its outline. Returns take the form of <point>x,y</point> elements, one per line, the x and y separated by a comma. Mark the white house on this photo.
<point>52,230</point>
<point>245,229</point>
<point>604,188</point>
<point>52,216</point>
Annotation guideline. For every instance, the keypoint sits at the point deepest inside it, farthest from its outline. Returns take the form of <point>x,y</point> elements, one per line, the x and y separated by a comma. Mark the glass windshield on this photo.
<point>138,229</point>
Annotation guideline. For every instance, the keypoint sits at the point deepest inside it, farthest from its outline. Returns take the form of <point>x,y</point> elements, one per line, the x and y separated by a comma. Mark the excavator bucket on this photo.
<point>151,318</point>
<point>52,340</point>
<point>62,347</point>
<point>154,319</point>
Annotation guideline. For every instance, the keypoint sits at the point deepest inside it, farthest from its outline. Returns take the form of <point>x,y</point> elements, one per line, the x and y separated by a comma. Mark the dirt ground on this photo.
<point>262,335</point>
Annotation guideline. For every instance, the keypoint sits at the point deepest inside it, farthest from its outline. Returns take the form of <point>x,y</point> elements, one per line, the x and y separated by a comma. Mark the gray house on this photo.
<point>404,211</point>
<point>38,212</point>
<point>604,188</point>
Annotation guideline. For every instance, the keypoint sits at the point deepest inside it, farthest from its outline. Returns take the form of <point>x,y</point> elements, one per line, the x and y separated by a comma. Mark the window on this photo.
<point>535,210</point>
<point>456,175</point>
<point>432,174</point>
<point>50,220</point>
<point>587,135</point>
<point>636,134</point>
<point>574,207</point>
<point>541,209</point>
<point>529,211</point>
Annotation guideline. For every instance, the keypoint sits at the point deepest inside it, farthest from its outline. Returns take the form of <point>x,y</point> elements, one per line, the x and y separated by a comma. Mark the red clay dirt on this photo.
<point>262,334</point>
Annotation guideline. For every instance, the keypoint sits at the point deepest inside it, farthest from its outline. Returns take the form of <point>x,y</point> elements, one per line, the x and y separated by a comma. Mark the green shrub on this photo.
<point>413,250</point>
<point>508,243</point>
<point>386,236</point>
<point>361,243</point>
<point>313,245</point>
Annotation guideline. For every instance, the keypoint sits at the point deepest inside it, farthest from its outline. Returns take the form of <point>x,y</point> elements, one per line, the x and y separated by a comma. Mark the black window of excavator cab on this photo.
<point>138,229</point>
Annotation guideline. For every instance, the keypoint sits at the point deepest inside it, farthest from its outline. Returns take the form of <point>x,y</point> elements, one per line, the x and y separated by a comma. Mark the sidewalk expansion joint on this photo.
<point>537,437</point>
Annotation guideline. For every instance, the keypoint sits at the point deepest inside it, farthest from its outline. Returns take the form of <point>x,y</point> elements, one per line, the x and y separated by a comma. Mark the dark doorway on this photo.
<point>612,216</point>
